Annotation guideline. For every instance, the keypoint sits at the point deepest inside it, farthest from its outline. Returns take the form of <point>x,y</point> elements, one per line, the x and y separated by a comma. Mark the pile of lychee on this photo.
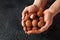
<point>34,21</point>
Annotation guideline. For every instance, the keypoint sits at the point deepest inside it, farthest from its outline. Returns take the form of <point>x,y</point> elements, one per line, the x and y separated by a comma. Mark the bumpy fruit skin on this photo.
<point>35,28</point>
<point>35,22</point>
<point>41,18</point>
<point>40,12</point>
<point>40,23</point>
<point>33,16</point>
<point>28,23</point>
<point>28,28</point>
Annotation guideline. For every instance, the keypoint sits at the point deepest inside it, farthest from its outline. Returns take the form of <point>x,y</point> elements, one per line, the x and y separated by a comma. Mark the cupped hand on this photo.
<point>48,18</point>
<point>29,9</point>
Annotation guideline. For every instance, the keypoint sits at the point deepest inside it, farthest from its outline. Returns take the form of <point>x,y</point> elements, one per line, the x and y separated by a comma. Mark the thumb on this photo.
<point>24,13</point>
<point>46,26</point>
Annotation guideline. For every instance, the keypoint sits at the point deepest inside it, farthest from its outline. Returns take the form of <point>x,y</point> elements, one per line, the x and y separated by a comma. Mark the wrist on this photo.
<point>51,12</point>
<point>37,3</point>
<point>40,3</point>
<point>55,7</point>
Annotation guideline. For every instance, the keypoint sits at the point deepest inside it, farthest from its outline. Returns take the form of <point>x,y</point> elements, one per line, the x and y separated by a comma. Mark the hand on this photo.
<point>29,9</point>
<point>48,18</point>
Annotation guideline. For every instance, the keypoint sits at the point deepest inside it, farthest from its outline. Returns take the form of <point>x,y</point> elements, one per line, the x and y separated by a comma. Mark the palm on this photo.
<point>29,9</point>
<point>48,18</point>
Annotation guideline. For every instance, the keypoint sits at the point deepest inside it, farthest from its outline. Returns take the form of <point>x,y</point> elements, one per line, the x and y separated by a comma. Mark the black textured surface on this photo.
<point>10,22</point>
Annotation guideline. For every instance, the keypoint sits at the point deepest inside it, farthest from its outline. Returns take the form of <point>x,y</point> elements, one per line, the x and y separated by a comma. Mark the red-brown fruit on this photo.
<point>35,22</point>
<point>41,18</point>
<point>28,23</point>
<point>40,23</point>
<point>35,28</point>
<point>33,16</point>
<point>29,28</point>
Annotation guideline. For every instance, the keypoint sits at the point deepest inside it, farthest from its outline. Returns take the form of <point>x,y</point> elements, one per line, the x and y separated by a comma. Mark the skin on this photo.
<point>48,14</point>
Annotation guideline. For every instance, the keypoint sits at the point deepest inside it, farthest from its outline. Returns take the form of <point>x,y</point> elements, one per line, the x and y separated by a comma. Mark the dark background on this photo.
<point>10,22</point>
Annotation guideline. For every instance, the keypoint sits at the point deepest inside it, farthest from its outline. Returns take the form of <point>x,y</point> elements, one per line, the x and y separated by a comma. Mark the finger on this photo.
<point>24,12</point>
<point>23,23</point>
<point>33,32</point>
<point>24,26</point>
<point>25,29</point>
